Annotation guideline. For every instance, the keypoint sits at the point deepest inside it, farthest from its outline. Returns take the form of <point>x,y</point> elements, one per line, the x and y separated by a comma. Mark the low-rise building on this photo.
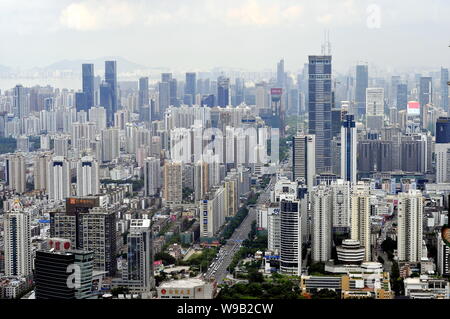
<point>193,288</point>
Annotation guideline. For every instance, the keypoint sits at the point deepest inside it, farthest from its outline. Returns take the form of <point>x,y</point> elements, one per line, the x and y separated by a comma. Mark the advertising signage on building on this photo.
<point>413,108</point>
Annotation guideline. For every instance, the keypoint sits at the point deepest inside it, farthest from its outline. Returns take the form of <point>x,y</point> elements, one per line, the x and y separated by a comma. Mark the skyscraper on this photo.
<point>99,235</point>
<point>320,109</point>
<point>17,239</point>
<point>402,97</point>
<point>173,182</point>
<point>20,103</point>
<point>40,171</point>
<point>280,74</point>
<point>223,91</point>
<point>362,83</point>
<point>190,88</point>
<point>349,149</point>
<point>374,108</point>
<point>444,89</point>
<point>88,182</point>
<point>110,145</point>
<point>16,173</point>
<point>303,158</point>
<point>442,150</point>
<point>106,101</point>
<point>88,85</point>
<point>164,97</point>
<point>321,216</point>
<point>111,79</point>
<point>291,239</point>
<point>152,176</point>
<point>58,179</point>
<point>53,272</point>
<point>140,256</point>
<point>143,92</point>
<point>360,217</point>
<point>425,95</point>
<point>410,226</point>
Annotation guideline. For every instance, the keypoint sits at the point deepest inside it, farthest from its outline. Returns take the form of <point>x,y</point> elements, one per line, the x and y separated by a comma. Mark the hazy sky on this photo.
<point>249,34</point>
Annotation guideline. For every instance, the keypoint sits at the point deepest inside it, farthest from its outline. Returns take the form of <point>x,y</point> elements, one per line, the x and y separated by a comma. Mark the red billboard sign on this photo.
<point>276,91</point>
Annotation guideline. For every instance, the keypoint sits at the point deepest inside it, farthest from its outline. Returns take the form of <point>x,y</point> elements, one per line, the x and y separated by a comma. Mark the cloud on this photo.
<point>98,15</point>
<point>258,14</point>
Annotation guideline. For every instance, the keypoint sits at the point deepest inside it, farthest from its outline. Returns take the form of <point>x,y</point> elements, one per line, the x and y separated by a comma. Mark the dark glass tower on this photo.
<point>402,97</point>
<point>190,88</point>
<point>362,83</point>
<point>443,130</point>
<point>223,91</point>
<point>444,89</point>
<point>320,101</point>
<point>55,269</point>
<point>143,92</point>
<point>88,85</point>
<point>111,79</point>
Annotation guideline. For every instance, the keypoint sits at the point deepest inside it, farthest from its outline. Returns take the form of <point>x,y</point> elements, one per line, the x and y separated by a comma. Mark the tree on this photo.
<point>166,258</point>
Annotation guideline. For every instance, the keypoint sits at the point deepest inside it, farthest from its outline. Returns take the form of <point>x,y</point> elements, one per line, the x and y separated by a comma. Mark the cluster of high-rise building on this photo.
<point>101,179</point>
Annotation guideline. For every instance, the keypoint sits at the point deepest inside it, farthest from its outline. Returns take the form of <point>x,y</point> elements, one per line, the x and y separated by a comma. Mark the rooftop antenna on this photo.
<point>326,46</point>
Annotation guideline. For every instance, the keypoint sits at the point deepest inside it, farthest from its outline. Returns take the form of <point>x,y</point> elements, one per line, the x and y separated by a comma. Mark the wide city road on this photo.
<point>218,269</point>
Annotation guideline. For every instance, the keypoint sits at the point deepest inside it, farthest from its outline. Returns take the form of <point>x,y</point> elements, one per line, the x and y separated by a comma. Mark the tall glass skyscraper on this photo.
<point>444,89</point>
<point>223,91</point>
<point>362,83</point>
<point>88,85</point>
<point>111,79</point>
<point>320,101</point>
<point>190,88</point>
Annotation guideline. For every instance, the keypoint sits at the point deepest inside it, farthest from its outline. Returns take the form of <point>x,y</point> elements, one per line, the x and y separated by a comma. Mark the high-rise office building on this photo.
<point>402,97</point>
<point>410,226</point>
<point>58,179</point>
<point>140,270</point>
<point>152,176</point>
<point>88,86</point>
<point>321,226</point>
<point>442,150</point>
<point>340,191</point>
<point>443,256</point>
<point>106,101</point>
<point>144,99</point>
<point>173,182</point>
<point>444,89</point>
<point>99,235</point>
<point>425,96</point>
<point>88,182</point>
<point>20,102</point>
<point>280,74</point>
<point>173,89</point>
<point>63,274</point>
<point>360,217</point>
<point>374,108</point>
<point>291,239</point>
<point>223,91</point>
<point>15,170</point>
<point>303,158</point>
<point>17,241</point>
<point>190,89</point>
<point>349,147</point>
<point>320,109</point>
<point>111,79</point>
<point>164,96</point>
<point>362,83</point>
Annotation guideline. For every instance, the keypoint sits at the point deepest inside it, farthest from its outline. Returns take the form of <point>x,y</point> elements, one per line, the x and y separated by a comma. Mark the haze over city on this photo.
<point>202,34</point>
